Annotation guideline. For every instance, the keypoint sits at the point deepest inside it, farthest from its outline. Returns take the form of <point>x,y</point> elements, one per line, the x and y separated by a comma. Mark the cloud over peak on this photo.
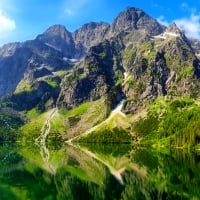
<point>190,25</point>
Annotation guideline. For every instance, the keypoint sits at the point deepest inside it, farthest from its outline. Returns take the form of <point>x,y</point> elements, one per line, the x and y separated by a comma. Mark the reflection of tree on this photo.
<point>22,179</point>
<point>72,188</point>
<point>173,175</point>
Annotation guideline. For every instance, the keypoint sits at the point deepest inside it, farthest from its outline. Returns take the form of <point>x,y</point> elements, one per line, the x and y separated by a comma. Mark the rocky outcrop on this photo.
<point>164,65</point>
<point>96,78</point>
<point>89,35</point>
<point>42,96</point>
<point>20,60</point>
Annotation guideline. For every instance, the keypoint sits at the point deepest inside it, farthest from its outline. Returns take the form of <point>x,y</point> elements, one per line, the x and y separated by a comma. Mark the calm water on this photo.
<point>97,172</point>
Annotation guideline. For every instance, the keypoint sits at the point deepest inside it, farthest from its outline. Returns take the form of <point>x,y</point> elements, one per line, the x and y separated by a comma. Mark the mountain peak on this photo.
<point>136,19</point>
<point>59,38</point>
<point>173,28</point>
<point>174,31</point>
<point>56,30</point>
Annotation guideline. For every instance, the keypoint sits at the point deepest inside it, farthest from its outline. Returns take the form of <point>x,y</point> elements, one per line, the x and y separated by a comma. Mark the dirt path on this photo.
<point>45,130</point>
<point>47,126</point>
<point>117,110</point>
<point>41,140</point>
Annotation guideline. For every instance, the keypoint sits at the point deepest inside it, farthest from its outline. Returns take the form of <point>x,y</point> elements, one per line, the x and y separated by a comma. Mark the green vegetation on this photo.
<point>78,120</point>
<point>81,109</point>
<point>32,129</point>
<point>33,113</point>
<point>9,124</point>
<point>66,123</point>
<point>146,173</point>
<point>58,128</point>
<point>107,136</point>
<point>23,86</point>
<point>101,55</point>
<point>119,77</point>
<point>173,124</point>
<point>187,71</point>
<point>52,82</point>
<point>62,73</point>
<point>129,57</point>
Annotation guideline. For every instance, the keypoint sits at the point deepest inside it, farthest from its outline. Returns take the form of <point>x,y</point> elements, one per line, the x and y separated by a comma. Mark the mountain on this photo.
<point>157,60</point>
<point>134,59</point>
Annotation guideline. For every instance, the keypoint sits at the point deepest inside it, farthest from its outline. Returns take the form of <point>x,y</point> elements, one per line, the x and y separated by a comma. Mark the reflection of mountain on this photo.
<point>148,174</point>
<point>77,176</point>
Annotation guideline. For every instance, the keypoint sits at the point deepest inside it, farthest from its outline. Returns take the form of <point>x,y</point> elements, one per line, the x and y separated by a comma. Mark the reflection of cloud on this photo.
<point>162,20</point>
<point>190,25</point>
<point>6,24</point>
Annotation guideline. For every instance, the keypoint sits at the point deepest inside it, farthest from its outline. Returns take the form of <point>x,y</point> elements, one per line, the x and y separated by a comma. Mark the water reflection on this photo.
<point>146,174</point>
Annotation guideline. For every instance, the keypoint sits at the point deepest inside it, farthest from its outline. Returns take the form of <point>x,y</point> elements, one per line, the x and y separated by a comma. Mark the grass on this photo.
<point>32,129</point>
<point>116,130</point>
<point>33,113</point>
<point>58,128</point>
<point>77,111</point>
<point>66,123</point>
<point>84,117</point>
<point>52,82</point>
<point>23,86</point>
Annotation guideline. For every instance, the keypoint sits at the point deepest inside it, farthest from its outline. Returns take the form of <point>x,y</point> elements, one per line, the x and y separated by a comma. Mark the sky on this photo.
<point>22,20</point>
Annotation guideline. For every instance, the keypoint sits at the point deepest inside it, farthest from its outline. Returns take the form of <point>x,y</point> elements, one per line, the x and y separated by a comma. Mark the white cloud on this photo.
<point>162,20</point>
<point>68,11</point>
<point>6,24</point>
<point>73,7</point>
<point>190,25</point>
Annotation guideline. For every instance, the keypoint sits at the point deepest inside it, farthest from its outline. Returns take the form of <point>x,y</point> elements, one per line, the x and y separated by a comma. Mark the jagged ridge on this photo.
<point>157,61</point>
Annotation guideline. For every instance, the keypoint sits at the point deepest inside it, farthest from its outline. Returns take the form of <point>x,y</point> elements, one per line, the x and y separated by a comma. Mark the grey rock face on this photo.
<point>60,39</point>
<point>18,61</point>
<point>136,19</point>
<point>89,35</point>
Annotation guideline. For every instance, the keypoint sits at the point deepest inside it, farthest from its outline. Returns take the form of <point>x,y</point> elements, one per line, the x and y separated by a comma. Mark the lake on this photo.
<point>110,172</point>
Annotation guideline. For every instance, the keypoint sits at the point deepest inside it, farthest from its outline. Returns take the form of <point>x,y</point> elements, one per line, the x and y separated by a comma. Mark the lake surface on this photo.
<point>38,172</point>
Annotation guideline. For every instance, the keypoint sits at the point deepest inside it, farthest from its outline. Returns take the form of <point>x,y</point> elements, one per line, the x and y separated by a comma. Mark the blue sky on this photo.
<point>21,20</point>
